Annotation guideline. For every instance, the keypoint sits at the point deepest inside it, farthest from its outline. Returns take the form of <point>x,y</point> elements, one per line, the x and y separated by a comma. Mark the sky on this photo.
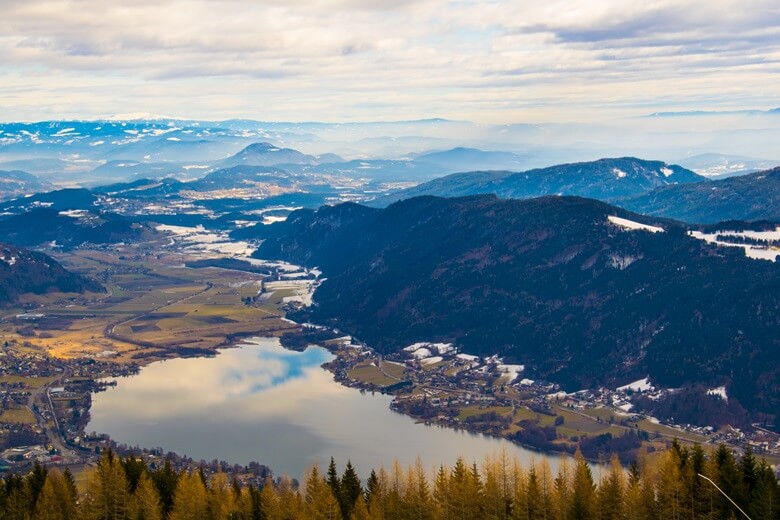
<point>492,61</point>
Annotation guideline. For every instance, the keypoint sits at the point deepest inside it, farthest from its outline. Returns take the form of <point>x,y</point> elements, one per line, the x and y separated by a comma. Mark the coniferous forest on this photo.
<point>501,488</point>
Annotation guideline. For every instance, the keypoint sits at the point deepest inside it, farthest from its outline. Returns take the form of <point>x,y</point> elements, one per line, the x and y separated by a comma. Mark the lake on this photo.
<point>278,407</point>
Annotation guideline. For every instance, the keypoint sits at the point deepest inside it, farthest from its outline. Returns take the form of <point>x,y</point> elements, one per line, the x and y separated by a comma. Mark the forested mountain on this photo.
<point>755,196</point>
<point>23,271</point>
<point>267,154</point>
<point>553,283</point>
<point>603,180</point>
<point>67,228</point>
<point>65,199</point>
<point>499,488</point>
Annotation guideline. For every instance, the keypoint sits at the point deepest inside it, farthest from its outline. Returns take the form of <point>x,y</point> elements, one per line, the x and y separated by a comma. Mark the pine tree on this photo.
<point>190,501</point>
<point>34,483</point>
<point>562,491</point>
<point>583,492</point>
<point>267,503</point>
<point>497,501</point>
<point>166,480</point>
<point>320,504</point>
<point>333,480</point>
<point>349,491</point>
<point>221,499</point>
<point>134,468</point>
<point>547,488</point>
<point>441,491</point>
<point>108,496</point>
<point>57,500</point>
<point>611,493</point>
<point>14,503</point>
<point>145,502</point>
<point>417,500</point>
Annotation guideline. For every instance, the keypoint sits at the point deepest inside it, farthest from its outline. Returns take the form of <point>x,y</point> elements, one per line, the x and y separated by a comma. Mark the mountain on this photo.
<point>67,229</point>
<point>242,176</point>
<point>65,199</point>
<point>555,283</point>
<point>127,170</point>
<point>462,159</point>
<point>23,271</point>
<point>15,183</point>
<point>604,179</point>
<point>755,196</point>
<point>266,154</point>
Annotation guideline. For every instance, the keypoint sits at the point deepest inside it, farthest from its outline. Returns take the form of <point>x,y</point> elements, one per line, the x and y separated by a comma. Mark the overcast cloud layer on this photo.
<point>346,60</point>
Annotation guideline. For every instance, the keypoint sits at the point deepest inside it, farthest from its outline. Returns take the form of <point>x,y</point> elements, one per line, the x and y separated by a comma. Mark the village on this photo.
<point>437,384</point>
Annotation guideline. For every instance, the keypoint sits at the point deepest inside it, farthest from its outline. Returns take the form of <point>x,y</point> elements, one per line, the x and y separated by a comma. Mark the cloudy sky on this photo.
<point>492,61</point>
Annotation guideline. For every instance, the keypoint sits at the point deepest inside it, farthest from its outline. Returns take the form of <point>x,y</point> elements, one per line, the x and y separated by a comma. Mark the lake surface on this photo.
<point>278,407</point>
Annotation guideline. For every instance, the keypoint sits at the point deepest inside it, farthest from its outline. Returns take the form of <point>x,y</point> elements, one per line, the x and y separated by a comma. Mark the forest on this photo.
<point>681,484</point>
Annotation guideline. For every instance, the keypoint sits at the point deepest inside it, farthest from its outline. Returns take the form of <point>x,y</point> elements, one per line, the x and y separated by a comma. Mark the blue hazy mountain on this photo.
<point>605,179</point>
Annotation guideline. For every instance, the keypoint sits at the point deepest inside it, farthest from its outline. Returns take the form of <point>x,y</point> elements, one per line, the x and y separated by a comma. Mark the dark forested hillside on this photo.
<point>549,282</point>
<point>603,180</point>
<point>67,229</point>
<point>23,271</point>
<point>748,197</point>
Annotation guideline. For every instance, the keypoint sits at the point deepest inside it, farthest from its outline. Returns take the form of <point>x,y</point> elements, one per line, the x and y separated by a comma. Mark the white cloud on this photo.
<point>376,59</point>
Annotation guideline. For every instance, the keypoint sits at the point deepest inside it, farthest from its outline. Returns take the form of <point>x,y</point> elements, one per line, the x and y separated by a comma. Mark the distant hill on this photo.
<point>553,283</point>
<point>23,271</point>
<point>66,228</point>
<point>267,154</point>
<point>604,179</point>
<point>721,166</point>
<point>241,177</point>
<point>66,199</point>
<point>755,196</point>
<point>128,170</point>
<point>16,182</point>
<point>462,159</point>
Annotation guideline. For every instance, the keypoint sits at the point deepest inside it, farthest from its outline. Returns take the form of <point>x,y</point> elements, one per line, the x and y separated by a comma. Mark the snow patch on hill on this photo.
<point>631,225</point>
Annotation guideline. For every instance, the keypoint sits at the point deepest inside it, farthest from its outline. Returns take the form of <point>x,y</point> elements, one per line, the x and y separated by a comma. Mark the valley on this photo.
<point>156,308</point>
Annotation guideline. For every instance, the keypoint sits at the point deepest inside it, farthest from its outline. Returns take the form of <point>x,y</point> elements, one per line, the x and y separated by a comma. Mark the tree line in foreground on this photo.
<point>500,488</point>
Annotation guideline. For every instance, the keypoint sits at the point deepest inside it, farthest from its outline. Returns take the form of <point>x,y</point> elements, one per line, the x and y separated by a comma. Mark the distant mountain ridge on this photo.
<point>603,179</point>
<point>267,154</point>
<point>550,282</point>
<point>23,271</point>
<point>462,159</point>
<point>14,183</point>
<point>67,228</point>
<point>754,196</point>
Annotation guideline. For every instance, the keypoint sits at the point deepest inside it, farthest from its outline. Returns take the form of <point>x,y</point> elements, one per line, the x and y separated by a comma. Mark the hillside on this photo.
<point>551,283</point>
<point>755,196</point>
<point>604,179</point>
<point>66,228</point>
<point>23,271</point>
<point>15,183</point>
<point>266,154</point>
<point>65,199</point>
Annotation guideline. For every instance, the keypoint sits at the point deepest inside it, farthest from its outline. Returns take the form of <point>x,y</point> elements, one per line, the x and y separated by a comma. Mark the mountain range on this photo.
<point>647,187</point>
<point>560,284</point>
<point>603,180</point>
